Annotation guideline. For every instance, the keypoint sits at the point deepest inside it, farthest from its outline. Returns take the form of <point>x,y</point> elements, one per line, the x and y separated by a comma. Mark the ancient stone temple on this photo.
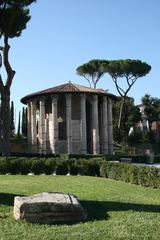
<point>71,119</point>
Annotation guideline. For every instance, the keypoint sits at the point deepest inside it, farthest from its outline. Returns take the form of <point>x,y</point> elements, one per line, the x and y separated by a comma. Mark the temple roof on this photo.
<point>67,88</point>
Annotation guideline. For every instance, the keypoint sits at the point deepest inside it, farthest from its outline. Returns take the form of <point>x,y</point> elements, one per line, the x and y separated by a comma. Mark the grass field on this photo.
<point>116,210</point>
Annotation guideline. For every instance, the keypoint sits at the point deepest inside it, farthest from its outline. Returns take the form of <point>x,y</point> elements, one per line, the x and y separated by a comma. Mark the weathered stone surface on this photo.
<point>49,208</point>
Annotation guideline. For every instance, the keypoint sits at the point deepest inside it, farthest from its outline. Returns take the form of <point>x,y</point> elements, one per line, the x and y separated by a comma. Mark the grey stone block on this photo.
<point>49,208</point>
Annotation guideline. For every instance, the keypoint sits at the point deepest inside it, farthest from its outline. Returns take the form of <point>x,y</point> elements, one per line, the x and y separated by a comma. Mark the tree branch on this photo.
<point>119,89</point>
<point>1,84</point>
<point>87,80</point>
<point>9,70</point>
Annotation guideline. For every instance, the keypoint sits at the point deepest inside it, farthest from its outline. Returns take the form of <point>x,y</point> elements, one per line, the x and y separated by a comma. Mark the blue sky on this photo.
<point>62,35</point>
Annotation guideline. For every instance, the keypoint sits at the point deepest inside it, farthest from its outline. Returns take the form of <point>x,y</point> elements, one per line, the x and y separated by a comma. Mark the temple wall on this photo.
<point>71,124</point>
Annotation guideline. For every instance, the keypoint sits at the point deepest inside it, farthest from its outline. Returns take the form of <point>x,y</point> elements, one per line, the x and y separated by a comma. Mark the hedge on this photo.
<point>145,176</point>
<point>157,159</point>
<point>95,166</point>
<point>60,165</point>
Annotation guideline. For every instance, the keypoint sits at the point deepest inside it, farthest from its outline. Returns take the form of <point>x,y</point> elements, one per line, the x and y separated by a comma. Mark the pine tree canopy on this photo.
<point>14,16</point>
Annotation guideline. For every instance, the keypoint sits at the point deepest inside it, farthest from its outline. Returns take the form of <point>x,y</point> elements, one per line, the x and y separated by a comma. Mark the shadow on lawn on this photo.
<point>8,199</point>
<point>98,210</point>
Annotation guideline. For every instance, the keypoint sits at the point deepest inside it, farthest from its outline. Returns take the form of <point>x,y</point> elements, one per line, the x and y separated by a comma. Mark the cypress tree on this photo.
<point>12,124</point>
<point>19,125</point>
<point>24,122</point>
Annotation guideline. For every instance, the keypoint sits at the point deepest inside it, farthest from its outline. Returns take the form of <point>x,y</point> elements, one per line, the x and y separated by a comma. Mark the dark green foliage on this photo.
<point>4,166</point>
<point>37,166</point>
<point>88,167</point>
<point>138,137</point>
<point>139,159</point>
<point>83,167</point>
<point>92,71</point>
<point>130,68</point>
<point>151,109</point>
<point>25,165</point>
<point>157,159</point>
<point>131,116</point>
<point>24,122</point>
<point>14,166</point>
<point>72,165</point>
<point>50,165</point>
<point>19,125</point>
<point>61,167</point>
<point>145,176</point>
<point>12,120</point>
<point>13,17</point>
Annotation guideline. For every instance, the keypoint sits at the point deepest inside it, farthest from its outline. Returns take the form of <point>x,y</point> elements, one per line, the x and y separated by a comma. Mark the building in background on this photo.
<point>71,119</point>
<point>143,124</point>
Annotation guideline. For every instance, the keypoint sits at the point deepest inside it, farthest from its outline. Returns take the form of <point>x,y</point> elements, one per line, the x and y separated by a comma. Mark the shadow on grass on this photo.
<point>8,199</point>
<point>98,210</point>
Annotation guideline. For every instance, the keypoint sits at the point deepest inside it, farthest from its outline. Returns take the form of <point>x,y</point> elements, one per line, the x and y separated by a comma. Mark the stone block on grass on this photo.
<point>49,208</point>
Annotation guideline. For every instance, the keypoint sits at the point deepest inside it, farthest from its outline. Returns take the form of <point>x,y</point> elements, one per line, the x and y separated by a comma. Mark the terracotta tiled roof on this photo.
<point>66,88</point>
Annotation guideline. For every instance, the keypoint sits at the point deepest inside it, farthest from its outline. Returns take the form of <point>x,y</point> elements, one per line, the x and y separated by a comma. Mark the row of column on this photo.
<point>105,137</point>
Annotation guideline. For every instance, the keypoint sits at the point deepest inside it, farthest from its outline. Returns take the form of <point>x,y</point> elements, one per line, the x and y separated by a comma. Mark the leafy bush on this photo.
<point>98,166</point>
<point>13,165</point>
<point>83,167</point>
<point>145,176</point>
<point>72,166</point>
<point>50,165</point>
<point>62,167</point>
<point>24,165</point>
<point>3,165</point>
<point>88,167</point>
<point>37,166</point>
<point>138,159</point>
<point>157,158</point>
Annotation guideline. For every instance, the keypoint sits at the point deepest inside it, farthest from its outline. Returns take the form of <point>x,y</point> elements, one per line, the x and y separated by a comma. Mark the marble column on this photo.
<point>95,125</point>
<point>42,127</point>
<point>47,134</point>
<point>83,125</point>
<point>68,123</point>
<point>104,126</point>
<point>29,139</point>
<point>54,143</point>
<point>110,130</point>
<point>33,126</point>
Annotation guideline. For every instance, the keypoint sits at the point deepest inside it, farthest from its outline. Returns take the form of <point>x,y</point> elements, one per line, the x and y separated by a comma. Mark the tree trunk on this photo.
<point>157,130</point>
<point>121,113</point>
<point>5,105</point>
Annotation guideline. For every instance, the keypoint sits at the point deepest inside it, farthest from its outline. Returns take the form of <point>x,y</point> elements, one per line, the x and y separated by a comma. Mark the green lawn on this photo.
<point>116,210</point>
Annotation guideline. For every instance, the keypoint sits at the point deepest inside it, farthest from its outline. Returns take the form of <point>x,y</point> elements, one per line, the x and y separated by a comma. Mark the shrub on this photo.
<point>3,165</point>
<point>72,166</point>
<point>94,164</point>
<point>157,158</point>
<point>37,166</point>
<point>83,167</point>
<point>145,176</point>
<point>64,156</point>
<point>25,165</point>
<point>88,167</point>
<point>13,165</point>
<point>61,167</point>
<point>139,159</point>
<point>50,165</point>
